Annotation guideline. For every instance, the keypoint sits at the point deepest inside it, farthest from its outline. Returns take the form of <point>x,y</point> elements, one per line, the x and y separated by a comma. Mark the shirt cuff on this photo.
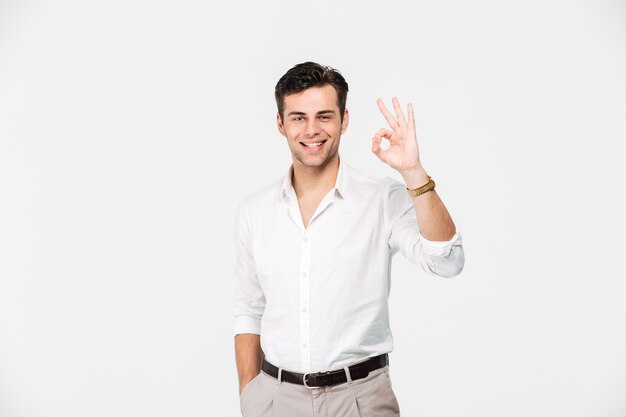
<point>442,248</point>
<point>246,324</point>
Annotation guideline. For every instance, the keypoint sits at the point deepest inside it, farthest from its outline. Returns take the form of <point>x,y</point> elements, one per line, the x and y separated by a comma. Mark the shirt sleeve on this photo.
<point>249,297</point>
<point>444,259</point>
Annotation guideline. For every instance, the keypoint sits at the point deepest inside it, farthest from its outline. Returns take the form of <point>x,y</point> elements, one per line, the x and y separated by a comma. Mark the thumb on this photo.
<point>376,140</point>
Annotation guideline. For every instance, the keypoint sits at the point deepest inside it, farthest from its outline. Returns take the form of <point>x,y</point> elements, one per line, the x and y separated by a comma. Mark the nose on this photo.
<point>312,128</point>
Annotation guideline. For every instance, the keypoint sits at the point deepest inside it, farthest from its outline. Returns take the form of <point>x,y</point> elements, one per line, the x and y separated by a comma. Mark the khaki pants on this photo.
<point>371,396</point>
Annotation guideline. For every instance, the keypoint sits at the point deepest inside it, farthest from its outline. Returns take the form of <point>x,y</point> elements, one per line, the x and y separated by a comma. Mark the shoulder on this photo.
<point>387,192</point>
<point>259,199</point>
<point>370,183</point>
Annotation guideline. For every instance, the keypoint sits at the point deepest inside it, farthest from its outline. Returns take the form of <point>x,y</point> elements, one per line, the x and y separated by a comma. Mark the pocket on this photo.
<point>388,377</point>
<point>394,399</point>
<point>247,386</point>
<point>375,398</point>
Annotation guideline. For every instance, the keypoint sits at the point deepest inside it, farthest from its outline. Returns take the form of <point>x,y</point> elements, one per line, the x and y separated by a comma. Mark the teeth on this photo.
<point>313,145</point>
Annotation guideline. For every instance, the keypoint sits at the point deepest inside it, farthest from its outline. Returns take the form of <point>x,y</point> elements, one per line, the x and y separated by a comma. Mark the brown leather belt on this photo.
<point>328,378</point>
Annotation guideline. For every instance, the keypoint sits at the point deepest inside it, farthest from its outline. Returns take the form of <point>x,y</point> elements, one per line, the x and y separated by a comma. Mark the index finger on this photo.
<point>393,123</point>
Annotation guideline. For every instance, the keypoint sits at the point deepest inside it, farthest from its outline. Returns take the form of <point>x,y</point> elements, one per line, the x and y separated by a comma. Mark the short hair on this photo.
<point>310,74</point>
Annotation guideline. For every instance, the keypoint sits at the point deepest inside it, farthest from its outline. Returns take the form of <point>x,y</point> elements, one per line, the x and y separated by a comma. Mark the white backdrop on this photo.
<point>130,130</point>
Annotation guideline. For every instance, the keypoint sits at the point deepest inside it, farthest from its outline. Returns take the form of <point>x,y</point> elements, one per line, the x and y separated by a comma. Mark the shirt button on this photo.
<point>304,309</point>
<point>304,274</point>
<point>304,345</point>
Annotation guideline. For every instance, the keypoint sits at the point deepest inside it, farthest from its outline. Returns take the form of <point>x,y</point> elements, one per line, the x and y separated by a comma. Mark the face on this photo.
<point>312,125</point>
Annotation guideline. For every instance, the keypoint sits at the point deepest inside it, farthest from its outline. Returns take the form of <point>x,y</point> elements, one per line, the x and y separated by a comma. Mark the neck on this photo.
<point>314,180</point>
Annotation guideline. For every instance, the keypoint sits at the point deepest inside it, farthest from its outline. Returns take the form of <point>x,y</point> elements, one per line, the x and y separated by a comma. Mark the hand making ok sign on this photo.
<point>402,153</point>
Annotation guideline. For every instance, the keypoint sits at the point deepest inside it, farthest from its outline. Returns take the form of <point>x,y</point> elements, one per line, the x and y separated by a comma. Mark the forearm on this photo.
<point>433,218</point>
<point>248,355</point>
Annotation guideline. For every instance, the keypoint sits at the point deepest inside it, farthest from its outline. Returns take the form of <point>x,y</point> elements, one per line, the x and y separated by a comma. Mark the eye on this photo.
<point>297,118</point>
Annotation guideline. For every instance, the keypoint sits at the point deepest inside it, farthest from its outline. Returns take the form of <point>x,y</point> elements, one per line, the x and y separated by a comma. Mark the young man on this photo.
<point>313,258</point>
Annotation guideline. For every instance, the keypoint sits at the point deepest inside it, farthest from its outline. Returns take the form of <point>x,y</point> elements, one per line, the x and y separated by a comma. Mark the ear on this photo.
<point>280,126</point>
<point>344,123</point>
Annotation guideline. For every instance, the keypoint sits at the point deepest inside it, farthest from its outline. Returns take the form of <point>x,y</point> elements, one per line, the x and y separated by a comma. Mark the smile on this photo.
<point>313,146</point>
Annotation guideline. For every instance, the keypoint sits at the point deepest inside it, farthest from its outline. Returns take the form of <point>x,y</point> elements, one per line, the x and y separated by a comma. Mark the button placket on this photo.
<point>305,330</point>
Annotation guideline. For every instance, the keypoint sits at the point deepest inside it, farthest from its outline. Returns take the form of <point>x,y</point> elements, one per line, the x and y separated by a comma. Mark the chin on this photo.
<point>315,162</point>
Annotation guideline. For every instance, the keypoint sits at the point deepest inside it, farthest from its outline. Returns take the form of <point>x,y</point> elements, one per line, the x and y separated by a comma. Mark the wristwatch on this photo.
<point>414,192</point>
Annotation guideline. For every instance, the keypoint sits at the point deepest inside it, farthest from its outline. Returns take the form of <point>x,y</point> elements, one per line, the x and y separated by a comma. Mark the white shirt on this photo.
<point>318,295</point>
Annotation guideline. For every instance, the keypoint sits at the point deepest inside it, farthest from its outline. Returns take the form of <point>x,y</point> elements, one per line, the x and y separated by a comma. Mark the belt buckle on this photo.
<point>304,380</point>
<point>309,373</point>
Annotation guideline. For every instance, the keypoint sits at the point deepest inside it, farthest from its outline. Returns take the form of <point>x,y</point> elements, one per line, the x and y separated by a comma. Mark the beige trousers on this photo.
<point>371,396</point>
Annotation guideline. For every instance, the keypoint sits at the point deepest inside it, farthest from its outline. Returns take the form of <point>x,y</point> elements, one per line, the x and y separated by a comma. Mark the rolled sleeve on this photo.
<point>249,299</point>
<point>444,259</point>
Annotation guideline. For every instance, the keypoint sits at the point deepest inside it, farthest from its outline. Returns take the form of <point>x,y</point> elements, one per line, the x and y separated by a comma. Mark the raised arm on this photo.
<point>427,236</point>
<point>402,155</point>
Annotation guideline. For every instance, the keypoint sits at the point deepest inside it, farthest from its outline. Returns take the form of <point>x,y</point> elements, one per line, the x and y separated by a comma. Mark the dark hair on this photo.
<point>310,74</point>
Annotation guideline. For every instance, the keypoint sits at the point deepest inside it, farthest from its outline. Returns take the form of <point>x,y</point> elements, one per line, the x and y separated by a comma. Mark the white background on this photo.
<point>130,130</point>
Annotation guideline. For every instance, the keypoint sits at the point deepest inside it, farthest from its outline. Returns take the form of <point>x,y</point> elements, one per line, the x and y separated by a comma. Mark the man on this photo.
<point>313,258</point>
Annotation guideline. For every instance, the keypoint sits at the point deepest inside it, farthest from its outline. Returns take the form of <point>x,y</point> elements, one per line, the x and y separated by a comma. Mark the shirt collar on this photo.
<point>341,183</point>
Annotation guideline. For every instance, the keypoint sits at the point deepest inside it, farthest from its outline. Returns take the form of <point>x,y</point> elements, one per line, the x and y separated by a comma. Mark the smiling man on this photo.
<point>313,258</point>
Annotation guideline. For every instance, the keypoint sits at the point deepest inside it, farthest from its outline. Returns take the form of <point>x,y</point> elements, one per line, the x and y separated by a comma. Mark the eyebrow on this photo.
<point>300,113</point>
